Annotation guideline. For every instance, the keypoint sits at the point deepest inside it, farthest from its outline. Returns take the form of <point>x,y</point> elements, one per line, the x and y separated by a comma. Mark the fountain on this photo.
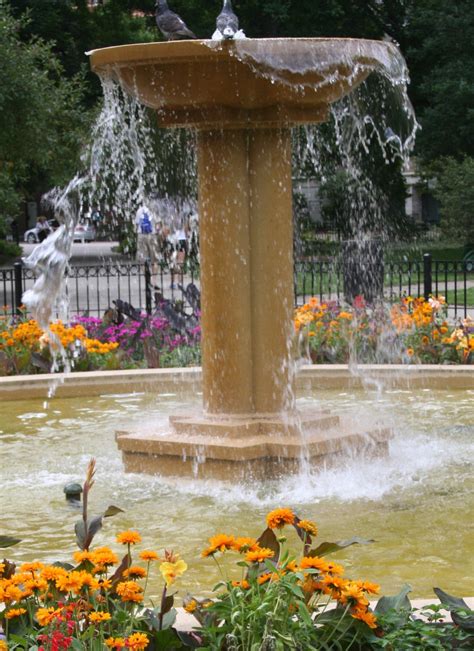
<point>243,98</point>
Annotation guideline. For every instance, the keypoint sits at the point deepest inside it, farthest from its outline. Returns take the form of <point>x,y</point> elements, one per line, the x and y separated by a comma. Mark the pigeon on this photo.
<point>227,24</point>
<point>170,24</point>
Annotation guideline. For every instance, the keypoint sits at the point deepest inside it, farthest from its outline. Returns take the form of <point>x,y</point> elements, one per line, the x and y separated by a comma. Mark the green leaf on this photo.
<point>398,603</point>
<point>169,618</point>
<point>112,510</point>
<point>8,541</point>
<point>167,639</point>
<point>329,547</point>
<point>464,621</point>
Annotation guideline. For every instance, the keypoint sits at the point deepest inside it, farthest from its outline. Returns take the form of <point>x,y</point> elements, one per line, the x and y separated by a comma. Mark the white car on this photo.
<point>31,235</point>
<point>84,232</point>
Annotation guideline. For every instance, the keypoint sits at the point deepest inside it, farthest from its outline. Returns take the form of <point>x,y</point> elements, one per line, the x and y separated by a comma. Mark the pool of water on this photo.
<point>417,504</point>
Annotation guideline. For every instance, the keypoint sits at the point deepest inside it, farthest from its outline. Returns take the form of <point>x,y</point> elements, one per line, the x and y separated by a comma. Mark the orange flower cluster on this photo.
<point>315,575</point>
<point>28,334</point>
<point>51,594</point>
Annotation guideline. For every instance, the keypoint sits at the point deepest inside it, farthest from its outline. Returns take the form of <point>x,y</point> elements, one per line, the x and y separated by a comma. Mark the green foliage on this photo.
<point>455,191</point>
<point>440,57</point>
<point>42,124</point>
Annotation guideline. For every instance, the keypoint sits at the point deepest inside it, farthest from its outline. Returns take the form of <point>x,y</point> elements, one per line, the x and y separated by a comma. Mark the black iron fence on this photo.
<point>92,289</point>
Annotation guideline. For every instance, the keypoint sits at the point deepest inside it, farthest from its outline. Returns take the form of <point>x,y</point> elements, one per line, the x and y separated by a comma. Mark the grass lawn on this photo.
<point>450,298</point>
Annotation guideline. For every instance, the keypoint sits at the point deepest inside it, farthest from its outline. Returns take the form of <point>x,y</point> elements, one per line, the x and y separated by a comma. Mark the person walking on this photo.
<point>147,240</point>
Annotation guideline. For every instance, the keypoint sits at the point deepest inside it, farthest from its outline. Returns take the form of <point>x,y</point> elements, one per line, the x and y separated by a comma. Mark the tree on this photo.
<point>42,124</point>
<point>440,54</point>
<point>455,192</point>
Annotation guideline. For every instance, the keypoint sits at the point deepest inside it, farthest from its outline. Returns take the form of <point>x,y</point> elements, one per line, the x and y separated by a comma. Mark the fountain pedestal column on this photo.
<point>245,201</point>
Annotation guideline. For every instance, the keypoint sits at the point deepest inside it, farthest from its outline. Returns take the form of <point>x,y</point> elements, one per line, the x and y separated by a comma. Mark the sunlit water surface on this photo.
<point>417,504</point>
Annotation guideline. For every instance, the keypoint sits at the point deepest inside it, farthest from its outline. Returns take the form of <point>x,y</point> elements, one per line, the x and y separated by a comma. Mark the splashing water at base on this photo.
<point>414,503</point>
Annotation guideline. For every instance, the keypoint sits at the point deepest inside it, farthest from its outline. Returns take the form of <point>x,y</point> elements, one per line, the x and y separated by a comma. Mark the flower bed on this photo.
<point>90,344</point>
<point>280,601</point>
<point>412,331</point>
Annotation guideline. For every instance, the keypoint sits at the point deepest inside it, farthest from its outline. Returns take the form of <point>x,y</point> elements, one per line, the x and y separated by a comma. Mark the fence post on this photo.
<point>18,274</point>
<point>148,287</point>
<point>427,276</point>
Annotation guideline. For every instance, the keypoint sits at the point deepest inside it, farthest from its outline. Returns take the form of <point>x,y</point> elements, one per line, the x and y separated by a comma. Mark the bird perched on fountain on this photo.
<point>170,24</point>
<point>227,24</point>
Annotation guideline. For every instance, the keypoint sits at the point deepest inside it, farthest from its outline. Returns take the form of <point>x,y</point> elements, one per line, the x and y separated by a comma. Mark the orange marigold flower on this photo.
<point>264,578</point>
<point>219,543</point>
<point>15,612</point>
<point>31,567</point>
<point>245,585</point>
<point>104,556</point>
<point>115,642</point>
<point>137,642</point>
<point>129,537</point>
<point>334,568</point>
<point>129,591</point>
<point>98,617</point>
<point>2,568</point>
<point>245,544</point>
<point>410,352</point>
<point>83,555</point>
<point>279,517</point>
<point>3,645</point>
<point>70,582</point>
<point>148,555</point>
<point>368,586</point>
<point>308,526</point>
<point>135,572</point>
<point>259,555</point>
<point>46,615</point>
<point>51,573</point>
<point>365,616</point>
<point>314,562</point>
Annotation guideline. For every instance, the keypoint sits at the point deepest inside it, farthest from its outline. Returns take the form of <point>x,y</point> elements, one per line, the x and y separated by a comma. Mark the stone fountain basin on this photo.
<point>264,82</point>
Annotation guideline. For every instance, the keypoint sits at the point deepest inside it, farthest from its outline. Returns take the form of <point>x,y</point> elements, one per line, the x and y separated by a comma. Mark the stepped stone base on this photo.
<point>248,447</point>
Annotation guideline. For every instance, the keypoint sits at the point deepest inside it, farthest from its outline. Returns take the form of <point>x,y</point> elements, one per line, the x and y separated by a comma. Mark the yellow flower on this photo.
<point>15,612</point>
<point>171,571</point>
<point>97,617</point>
<point>148,555</point>
<point>191,606</point>
<point>129,537</point>
<point>31,567</point>
<point>2,568</point>
<point>137,642</point>
<point>259,555</point>
<point>279,517</point>
<point>309,527</point>
<point>3,645</point>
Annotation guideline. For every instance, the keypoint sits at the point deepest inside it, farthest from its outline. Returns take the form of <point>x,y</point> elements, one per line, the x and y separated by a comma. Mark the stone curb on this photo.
<point>179,380</point>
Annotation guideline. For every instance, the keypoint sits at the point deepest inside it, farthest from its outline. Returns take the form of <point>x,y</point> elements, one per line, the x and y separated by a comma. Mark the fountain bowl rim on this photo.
<point>182,50</point>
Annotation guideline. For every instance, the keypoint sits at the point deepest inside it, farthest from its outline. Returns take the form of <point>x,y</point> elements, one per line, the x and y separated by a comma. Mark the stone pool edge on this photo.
<point>177,380</point>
